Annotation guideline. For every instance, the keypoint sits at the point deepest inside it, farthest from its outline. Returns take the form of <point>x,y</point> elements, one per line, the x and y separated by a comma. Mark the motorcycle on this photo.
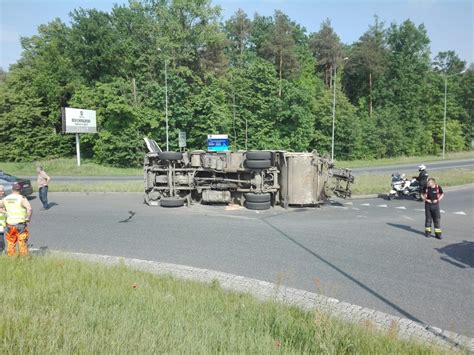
<point>403,187</point>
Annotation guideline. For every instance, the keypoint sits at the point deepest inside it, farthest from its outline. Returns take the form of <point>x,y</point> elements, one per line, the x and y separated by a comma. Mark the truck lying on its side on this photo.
<point>254,179</point>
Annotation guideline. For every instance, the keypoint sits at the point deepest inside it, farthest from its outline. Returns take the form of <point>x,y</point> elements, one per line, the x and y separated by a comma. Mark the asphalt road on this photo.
<point>407,168</point>
<point>368,252</point>
<point>413,168</point>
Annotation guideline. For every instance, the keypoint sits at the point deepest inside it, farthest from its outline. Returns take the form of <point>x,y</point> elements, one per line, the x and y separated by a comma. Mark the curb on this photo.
<point>406,329</point>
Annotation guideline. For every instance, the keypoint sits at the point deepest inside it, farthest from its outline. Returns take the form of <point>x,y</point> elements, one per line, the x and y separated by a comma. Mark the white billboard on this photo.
<point>77,120</point>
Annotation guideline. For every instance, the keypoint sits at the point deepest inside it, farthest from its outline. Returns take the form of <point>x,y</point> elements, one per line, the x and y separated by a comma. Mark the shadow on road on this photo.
<point>458,254</point>
<point>130,216</point>
<point>359,283</point>
<point>345,274</point>
<point>52,204</point>
<point>406,228</point>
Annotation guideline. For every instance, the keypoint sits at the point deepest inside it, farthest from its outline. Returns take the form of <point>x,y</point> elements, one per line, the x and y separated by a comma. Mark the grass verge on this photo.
<point>67,167</point>
<point>380,183</point>
<point>54,305</point>
<point>351,164</point>
<point>364,184</point>
<point>113,186</point>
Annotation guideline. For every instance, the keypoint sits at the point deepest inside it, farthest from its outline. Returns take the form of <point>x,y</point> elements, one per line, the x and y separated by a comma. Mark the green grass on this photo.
<point>67,166</point>
<point>52,305</point>
<point>113,186</point>
<point>380,183</point>
<point>403,160</point>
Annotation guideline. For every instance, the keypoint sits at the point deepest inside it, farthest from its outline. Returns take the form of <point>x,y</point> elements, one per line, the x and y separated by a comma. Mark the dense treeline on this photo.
<point>264,81</point>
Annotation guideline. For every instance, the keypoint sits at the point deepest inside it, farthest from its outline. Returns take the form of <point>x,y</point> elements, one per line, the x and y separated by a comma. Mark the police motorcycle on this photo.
<point>403,187</point>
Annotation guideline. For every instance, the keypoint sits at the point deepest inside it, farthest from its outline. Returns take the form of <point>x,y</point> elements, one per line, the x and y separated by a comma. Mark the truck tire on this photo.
<point>172,202</point>
<point>258,155</point>
<point>251,197</point>
<point>258,205</point>
<point>258,164</point>
<point>171,156</point>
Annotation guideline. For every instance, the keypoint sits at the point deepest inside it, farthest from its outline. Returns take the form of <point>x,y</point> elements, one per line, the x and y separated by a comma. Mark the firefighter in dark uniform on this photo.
<point>432,194</point>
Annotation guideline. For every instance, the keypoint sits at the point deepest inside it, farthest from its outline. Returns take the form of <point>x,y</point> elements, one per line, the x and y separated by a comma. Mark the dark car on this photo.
<point>8,180</point>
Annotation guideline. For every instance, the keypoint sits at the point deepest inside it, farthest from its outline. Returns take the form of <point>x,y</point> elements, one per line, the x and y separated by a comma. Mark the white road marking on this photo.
<point>460,212</point>
<point>365,204</point>
<point>385,206</point>
<point>360,216</point>
<point>419,209</point>
<point>401,208</point>
<point>348,203</point>
<point>442,211</point>
<point>355,208</point>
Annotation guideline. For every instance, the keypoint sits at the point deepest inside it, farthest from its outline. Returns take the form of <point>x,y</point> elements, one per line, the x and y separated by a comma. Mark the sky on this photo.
<point>449,22</point>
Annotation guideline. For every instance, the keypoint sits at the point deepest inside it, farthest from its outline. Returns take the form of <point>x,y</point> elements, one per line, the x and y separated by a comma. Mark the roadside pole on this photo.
<point>78,149</point>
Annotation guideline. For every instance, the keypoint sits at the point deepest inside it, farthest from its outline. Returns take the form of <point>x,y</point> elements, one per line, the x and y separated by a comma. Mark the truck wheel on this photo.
<point>251,197</point>
<point>171,156</point>
<point>258,205</point>
<point>258,155</point>
<point>258,164</point>
<point>172,202</point>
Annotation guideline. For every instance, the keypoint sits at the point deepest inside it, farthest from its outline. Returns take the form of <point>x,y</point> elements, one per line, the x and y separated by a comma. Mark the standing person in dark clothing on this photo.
<point>432,194</point>
<point>43,181</point>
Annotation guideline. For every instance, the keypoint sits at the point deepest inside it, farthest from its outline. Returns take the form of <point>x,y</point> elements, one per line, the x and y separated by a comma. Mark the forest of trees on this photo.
<point>263,80</point>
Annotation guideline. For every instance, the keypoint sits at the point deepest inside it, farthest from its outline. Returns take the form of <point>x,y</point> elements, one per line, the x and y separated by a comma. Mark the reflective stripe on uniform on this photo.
<point>428,229</point>
<point>437,230</point>
<point>16,213</point>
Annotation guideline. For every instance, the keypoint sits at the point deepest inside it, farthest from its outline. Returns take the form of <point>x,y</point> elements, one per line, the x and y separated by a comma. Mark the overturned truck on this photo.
<point>257,180</point>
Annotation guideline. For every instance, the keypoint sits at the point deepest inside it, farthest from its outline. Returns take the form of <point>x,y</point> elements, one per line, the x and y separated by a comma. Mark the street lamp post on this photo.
<point>166,104</point>
<point>333,111</point>
<point>334,107</point>
<point>444,120</point>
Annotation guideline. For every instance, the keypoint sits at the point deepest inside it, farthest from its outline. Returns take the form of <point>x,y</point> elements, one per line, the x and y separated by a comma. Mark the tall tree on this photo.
<point>96,46</point>
<point>367,63</point>
<point>466,99</point>
<point>279,47</point>
<point>404,83</point>
<point>449,63</point>
<point>238,29</point>
<point>327,49</point>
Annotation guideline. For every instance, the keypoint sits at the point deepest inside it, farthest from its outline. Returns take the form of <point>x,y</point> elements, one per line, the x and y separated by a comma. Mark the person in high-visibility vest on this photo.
<point>18,211</point>
<point>3,220</point>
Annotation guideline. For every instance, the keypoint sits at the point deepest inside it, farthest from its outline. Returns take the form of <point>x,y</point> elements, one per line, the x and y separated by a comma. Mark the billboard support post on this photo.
<point>78,149</point>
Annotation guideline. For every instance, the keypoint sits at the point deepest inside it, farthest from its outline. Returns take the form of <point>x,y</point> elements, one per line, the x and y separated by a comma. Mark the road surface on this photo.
<point>413,168</point>
<point>367,252</point>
